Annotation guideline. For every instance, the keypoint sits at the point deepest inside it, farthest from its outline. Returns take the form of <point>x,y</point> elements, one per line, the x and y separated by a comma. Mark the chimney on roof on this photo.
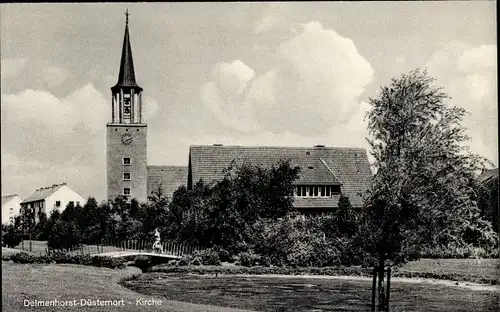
<point>319,146</point>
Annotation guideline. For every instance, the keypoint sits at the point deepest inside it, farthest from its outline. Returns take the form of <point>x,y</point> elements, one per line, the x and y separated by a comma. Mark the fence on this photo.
<point>171,248</point>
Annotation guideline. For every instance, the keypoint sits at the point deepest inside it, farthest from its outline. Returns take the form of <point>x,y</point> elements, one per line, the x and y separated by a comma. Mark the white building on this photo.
<point>48,199</point>
<point>11,207</point>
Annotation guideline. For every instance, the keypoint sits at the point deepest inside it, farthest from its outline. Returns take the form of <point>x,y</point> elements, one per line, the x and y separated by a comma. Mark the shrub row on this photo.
<point>262,270</point>
<point>325,271</point>
<point>106,262</point>
<point>460,253</point>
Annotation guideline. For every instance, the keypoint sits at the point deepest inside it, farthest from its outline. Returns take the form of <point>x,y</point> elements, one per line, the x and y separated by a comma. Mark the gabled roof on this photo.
<point>126,77</point>
<point>168,177</point>
<point>487,174</point>
<point>7,198</point>
<point>43,193</point>
<point>348,167</point>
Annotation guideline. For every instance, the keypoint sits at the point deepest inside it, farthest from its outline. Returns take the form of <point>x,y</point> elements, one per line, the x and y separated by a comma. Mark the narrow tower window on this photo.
<point>126,161</point>
<point>126,176</point>
<point>126,191</point>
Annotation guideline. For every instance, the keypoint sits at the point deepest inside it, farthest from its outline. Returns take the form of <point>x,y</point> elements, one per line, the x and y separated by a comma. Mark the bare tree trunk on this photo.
<point>381,290</point>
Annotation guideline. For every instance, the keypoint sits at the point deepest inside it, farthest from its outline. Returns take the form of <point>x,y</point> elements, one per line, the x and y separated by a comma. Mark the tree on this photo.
<point>423,190</point>
<point>488,201</point>
<point>41,231</point>
<point>345,217</point>
<point>64,235</point>
<point>11,235</point>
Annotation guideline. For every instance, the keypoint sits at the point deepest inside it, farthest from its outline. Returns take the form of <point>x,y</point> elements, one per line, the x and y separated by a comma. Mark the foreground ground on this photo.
<point>210,293</point>
<point>22,282</point>
<point>264,293</point>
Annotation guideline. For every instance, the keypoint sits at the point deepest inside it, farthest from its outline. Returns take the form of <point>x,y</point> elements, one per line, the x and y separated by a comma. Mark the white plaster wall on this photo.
<point>64,195</point>
<point>15,204</point>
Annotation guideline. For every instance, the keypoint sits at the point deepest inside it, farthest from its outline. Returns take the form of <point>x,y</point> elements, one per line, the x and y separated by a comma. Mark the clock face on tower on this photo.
<point>126,139</point>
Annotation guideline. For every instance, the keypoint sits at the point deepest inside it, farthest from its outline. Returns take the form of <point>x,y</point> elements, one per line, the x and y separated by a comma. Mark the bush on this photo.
<point>224,255</point>
<point>107,262</point>
<point>185,260</point>
<point>248,259</point>
<point>210,257</point>
<point>11,236</point>
<point>196,261</point>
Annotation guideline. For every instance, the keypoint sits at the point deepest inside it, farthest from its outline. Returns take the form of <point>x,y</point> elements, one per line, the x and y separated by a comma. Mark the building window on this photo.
<point>11,208</point>
<point>317,190</point>
<point>58,203</point>
<point>126,191</point>
<point>127,161</point>
<point>336,190</point>
<point>126,176</point>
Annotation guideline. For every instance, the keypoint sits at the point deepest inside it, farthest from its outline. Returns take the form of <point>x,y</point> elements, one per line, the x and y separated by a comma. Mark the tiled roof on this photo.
<point>319,165</point>
<point>487,174</point>
<point>7,198</point>
<point>43,193</point>
<point>170,177</point>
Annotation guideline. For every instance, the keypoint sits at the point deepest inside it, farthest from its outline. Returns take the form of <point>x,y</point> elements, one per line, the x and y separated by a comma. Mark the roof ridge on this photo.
<point>11,195</point>
<point>330,170</point>
<point>280,147</point>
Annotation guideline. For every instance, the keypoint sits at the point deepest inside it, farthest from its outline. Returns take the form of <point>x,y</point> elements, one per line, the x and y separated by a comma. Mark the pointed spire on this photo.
<point>126,78</point>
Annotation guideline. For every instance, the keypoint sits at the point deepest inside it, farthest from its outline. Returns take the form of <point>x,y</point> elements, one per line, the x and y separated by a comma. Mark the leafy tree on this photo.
<point>423,191</point>
<point>345,217</point>
<point>224,213</point>
<point>488,201</point>
<point>41,230</point>
<point>64,235</point>
<point>11,235</point>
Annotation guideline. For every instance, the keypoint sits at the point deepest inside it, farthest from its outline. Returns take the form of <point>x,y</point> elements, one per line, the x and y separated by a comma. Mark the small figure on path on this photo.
<point>157,247</point>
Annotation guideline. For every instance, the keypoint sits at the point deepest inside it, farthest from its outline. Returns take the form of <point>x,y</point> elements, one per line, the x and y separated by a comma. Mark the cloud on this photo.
<point>313,85</point>
<point>49,140</point>
<point>54,76</point>
<point>150,109</point>
<point>10,67</point>
<point>468,75</point>
<point>223,95</point>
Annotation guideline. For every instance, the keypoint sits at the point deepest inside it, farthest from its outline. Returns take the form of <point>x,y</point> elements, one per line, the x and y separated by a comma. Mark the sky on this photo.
<point>279,74</point>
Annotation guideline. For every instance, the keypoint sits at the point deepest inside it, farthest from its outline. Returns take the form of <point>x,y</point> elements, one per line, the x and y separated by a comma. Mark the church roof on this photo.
<point>168,177</point>
<point>43,193</point>
<point>126,77</point>
<point>348,167</point>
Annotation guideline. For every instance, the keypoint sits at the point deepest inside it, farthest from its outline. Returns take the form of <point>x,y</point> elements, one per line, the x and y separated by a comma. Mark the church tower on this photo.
<point>126,133</point>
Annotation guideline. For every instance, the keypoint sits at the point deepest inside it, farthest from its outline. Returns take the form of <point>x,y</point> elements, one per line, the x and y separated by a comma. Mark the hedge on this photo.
<point>263,270</point>
<point>98,261</point>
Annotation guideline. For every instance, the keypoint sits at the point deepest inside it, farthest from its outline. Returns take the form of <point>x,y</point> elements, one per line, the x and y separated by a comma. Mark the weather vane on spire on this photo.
<point>126,15</point>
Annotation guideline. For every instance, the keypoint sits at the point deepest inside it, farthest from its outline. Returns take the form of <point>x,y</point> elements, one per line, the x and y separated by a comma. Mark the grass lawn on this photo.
<point>309,294</point>
<point>73,282</point>
<point>474,270</point>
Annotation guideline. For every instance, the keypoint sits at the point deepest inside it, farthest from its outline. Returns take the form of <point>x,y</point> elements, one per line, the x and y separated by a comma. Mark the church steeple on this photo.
<point>126,105</point>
